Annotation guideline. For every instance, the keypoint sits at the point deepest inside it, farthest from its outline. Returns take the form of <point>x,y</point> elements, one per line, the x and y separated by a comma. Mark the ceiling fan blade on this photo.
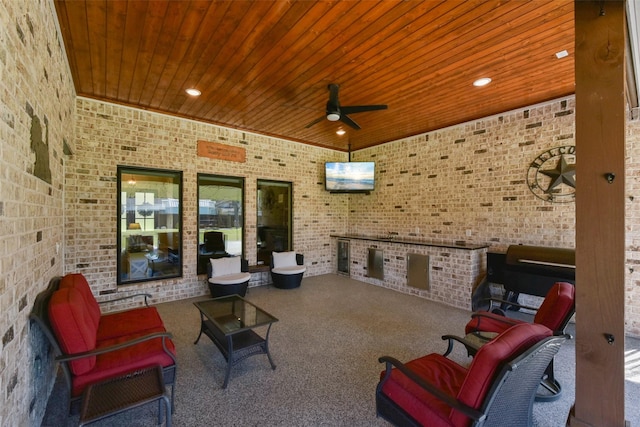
<point>351,109</point>
<point>345,119</point>
<point>335,112</point>
<point>318,120</point>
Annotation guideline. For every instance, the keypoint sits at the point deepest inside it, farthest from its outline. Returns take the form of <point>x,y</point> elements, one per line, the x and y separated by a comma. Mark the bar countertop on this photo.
<point>457,244</point>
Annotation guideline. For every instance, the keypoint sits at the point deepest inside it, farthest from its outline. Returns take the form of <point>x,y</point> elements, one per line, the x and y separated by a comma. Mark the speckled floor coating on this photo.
<point>326,345</point>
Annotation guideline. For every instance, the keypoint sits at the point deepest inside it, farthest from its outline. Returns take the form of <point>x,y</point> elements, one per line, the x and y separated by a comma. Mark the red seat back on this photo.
<point>79,282</point>
<point>557,307</point>
<point>488,361</point>
<point>73,327</point>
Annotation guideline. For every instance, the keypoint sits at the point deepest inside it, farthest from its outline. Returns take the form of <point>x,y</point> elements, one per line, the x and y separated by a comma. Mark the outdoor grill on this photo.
<point>525,269</point>
<point>533,270</point>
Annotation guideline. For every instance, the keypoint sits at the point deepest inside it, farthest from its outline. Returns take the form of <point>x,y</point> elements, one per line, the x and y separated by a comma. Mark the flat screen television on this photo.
<point>349,177</point>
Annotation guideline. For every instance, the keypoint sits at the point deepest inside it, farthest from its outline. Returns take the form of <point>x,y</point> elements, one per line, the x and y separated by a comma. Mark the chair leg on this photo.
<point>550,389</point>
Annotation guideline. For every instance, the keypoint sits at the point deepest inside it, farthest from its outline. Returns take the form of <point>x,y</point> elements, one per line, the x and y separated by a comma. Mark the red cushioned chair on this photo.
<point>91,347</point>
<point>498,388</point>
<point>113,325</point>
<point>555,312</point>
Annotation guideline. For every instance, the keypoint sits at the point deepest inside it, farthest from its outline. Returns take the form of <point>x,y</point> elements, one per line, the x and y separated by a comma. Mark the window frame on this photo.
<point>262,257</point>
<point>173,178</point>
<point>241,181</point>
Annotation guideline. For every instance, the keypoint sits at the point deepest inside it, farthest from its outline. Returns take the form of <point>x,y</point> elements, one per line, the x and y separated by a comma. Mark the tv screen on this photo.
<point>349,176</point>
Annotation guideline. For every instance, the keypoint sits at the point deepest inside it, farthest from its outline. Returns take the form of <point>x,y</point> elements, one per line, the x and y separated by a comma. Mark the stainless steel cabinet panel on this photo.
<point>375,264</point>
<point>343,257</point>
<point>418,271</point>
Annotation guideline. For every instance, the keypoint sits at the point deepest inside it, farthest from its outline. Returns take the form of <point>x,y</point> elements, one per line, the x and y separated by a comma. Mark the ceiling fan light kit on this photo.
<point>335,112</point>
<point>482,82</point>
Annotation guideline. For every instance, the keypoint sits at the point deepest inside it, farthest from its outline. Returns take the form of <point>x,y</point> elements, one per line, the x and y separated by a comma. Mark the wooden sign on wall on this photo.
<point>214,150</point>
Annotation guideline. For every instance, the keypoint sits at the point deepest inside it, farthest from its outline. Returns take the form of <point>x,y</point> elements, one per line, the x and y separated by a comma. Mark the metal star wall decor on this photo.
<point>551,176</point>
<point>563,173</point>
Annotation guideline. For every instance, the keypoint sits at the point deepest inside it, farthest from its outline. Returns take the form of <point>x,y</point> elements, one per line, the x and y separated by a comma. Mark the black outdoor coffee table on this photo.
<point>229,322</point>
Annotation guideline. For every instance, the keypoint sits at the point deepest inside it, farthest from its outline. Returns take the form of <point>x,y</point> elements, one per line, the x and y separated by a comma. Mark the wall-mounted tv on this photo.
<point>349,177</point>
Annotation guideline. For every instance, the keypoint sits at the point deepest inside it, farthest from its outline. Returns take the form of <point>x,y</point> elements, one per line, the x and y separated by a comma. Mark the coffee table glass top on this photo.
<point>233,314</point>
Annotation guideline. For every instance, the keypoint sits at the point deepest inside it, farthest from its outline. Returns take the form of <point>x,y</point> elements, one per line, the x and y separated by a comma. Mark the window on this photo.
<point>275,222</point>
<point>220,218</point>
<point>150,224</point>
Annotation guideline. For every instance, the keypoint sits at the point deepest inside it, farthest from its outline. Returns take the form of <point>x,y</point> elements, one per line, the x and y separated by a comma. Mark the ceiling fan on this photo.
<point>337,112</point>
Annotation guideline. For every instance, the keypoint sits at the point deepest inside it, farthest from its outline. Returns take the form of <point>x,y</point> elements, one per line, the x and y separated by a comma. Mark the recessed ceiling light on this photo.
<point>341,131</point>
<point>482,82</point>
<point>193,92</point>
<point>562,54</point>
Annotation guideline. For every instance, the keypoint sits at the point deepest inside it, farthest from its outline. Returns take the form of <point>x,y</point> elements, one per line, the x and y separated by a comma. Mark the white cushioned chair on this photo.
<point>287,269</point>
<point>228,276</point>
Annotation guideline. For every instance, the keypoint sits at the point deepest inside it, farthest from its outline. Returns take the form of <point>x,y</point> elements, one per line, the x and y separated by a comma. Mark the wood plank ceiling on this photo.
<point>264,66</point>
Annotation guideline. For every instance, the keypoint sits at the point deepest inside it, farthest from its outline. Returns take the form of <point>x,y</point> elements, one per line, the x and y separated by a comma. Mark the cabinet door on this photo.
<point>375,264</point>
<point>418,271</point>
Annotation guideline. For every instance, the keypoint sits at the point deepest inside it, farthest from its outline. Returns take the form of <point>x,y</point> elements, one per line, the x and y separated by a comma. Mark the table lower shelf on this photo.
<point>236,347</point>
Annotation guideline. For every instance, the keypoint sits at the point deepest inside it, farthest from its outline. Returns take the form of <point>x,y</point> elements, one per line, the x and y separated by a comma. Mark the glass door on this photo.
<point>275,220</point>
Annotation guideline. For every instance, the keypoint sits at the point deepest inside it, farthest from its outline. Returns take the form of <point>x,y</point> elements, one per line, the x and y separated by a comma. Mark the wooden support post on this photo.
<point>600,232</point>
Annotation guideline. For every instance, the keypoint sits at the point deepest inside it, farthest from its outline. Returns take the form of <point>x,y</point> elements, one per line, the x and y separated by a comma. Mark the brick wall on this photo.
<point>632,225</point>
<point>109,135</point>
<point>469,182</point>
<point>36,117</point>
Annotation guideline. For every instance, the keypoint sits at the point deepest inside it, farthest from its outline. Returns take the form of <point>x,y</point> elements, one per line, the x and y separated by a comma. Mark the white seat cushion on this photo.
<point>230,279</point>
<point>295,269</point>
<point>284,259</point>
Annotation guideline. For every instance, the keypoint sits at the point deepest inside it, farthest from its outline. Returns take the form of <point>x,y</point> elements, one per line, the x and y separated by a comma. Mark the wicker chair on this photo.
<point>498,388</point>
<point>555,312</point>
<point>228,276</point>
<point>287,269</point>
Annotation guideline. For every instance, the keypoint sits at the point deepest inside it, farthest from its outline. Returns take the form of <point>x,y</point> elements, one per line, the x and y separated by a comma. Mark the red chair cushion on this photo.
<point>557,305</point>
<point>117,324</point>
<point>488,361</point>
<point>123,323</point>
<point>119,362</point>
<point>436,369</point>
<point>73,326</point>
<point>490,322</point>
<point>79,282</point>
